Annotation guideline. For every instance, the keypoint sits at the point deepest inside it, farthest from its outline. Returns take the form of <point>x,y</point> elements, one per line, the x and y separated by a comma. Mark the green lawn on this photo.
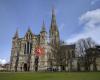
<point>50,76</point>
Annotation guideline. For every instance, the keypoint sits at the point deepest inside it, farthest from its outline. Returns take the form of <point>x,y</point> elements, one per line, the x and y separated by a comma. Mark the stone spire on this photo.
<point>54,32</point>
<point>16,34</point>
<point>43,27</point>
<point>29,29</point>
<point>53,15</point>
<point>43,34</point>
<point>53,20</point>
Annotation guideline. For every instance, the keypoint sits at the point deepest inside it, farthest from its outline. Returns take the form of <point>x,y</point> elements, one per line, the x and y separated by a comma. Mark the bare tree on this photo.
<point>91,56</point>
<point>59,55</point>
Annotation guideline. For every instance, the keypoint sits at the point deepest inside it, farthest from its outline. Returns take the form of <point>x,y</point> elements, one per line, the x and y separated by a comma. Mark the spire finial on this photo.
<point>53,10</point>
<point>43,26</point>
<point>53,20</point>
<point>29,29</point>
<point>16,34</point>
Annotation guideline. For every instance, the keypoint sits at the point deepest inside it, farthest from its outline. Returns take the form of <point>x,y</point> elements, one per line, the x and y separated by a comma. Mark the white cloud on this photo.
<point>91,22</point>
<point>3,61</point>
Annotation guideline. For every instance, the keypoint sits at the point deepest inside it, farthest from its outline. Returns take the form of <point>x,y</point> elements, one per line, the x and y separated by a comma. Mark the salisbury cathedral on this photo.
<point>55,55</point>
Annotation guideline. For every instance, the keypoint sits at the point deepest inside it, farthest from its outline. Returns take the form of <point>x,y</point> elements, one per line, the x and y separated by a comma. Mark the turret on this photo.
<point>16,36</point>
<point>29,34</point>
<point>43,34</point>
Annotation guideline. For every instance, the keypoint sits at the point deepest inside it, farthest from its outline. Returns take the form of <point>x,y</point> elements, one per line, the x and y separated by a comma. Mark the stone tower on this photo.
<point>54,40</point>
<point>43,34</point>
<point>54,32</point>
<point>43,60</point>
<point>14,52</point>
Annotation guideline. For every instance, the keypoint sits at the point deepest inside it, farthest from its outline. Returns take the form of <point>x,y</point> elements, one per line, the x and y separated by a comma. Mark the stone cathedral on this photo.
<point>23,49</point>
<point>24,52</point>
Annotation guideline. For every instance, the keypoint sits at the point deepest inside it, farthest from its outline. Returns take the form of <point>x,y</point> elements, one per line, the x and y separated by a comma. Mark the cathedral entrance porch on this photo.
<point>25,67</point>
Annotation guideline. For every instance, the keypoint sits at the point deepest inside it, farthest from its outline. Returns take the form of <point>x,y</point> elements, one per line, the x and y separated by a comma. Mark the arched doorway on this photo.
<point>63,68</point>
<point>25,66</point>
<point>36,63</point>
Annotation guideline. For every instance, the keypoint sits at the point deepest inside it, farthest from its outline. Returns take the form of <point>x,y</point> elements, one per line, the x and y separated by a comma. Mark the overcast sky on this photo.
<point>76,19</point>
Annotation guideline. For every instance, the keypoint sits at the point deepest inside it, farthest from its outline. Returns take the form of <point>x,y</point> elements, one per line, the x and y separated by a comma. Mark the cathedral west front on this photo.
<point>46,52</point>
<point>23,55</point>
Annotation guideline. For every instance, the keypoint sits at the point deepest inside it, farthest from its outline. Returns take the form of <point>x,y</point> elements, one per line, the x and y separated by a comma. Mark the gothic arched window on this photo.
<point>28,48</point>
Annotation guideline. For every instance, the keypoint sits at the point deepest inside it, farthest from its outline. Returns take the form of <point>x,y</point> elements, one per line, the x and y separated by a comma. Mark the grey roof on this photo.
<point>68,46</point>
<point>98,46</point>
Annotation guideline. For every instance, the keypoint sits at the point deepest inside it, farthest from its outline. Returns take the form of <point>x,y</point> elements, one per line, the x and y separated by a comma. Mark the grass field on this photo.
<point>50,76</point>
